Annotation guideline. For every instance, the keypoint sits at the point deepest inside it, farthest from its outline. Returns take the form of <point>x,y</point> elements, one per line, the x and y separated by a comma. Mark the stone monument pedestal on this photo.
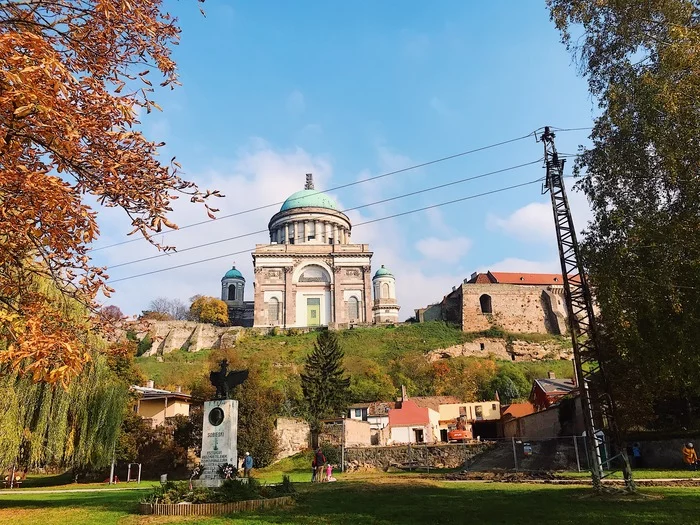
<point>219,439</point>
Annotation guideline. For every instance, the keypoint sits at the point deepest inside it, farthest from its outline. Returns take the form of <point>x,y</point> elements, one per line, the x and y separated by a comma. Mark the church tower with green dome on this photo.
<point>240,311</point>
<point>311,274</point>
<point>386,308</point>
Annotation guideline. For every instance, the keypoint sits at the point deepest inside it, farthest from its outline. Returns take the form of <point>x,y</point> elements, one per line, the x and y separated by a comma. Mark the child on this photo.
<point>313,470</point>
<point>329,473</point>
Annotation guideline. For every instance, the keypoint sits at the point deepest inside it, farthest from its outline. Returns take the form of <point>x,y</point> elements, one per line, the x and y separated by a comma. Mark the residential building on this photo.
<point>412,423</point>
<point>546,392</point>
<point>480,417</point>
<point>157,405</point>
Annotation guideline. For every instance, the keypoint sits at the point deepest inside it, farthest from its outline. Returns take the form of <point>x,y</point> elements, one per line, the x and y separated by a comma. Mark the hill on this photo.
<point>378,359</point>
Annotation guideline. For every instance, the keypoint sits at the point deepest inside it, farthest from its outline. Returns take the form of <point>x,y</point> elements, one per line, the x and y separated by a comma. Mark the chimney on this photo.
<point>309,182</point>
<point>150,384</point>
<point>178,389</point>
<point>551,375</point>
<point>474,274</point>
<point>404,396</point>
<point>454,288</point>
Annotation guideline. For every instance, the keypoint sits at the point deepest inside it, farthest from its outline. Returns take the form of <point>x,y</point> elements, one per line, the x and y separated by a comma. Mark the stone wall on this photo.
<point>293,435</point>
<point>515,350</point>
<point>185,335</point>
<point>516,308</point>
<point>436,456</point>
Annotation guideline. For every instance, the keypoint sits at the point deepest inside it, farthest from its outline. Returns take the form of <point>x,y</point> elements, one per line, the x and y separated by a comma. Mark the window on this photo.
<point>493,406</point>
<point>358,412</point>
<point>385,290</point>
<point>482,346</point>
<point>273,310</point>
<point>330,240</point>
<point>231,292</point>
<point>479,412</point>
<point>485,302</point>
<point>314,274</point>
<point>353,309</point>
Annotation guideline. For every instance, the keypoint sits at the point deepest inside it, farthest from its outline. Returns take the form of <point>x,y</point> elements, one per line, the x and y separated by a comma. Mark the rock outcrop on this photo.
<point>515,350</point>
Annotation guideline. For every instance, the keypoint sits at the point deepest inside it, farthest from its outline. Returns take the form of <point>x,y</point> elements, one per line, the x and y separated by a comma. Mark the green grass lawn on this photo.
<point>645,473</point>
<point>384,500</point>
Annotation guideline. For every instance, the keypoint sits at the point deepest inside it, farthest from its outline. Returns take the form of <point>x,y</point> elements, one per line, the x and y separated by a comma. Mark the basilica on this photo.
<point>311,274</point>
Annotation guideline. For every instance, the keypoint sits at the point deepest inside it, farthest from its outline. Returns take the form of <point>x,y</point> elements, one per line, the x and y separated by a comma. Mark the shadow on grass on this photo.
<point>405,501</point>
<point>107,501</point>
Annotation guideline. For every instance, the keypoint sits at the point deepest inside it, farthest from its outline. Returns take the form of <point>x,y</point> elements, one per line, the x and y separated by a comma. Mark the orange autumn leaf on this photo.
<point>69,100</point>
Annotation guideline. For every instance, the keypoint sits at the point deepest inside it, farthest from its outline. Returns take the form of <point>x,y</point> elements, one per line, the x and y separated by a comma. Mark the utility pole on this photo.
<point>596,398</point>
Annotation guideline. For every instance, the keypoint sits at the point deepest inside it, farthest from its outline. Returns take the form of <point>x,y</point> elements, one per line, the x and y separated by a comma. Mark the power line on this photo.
<point>416,210</point>
<point>347,185</point>
<point>402,196</point>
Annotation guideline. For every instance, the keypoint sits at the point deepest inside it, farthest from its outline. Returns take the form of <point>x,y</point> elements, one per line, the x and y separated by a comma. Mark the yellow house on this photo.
<point>157,405</point>
<point>483,416</point>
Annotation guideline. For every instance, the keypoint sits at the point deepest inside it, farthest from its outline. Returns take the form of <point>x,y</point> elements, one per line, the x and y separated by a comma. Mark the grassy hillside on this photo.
<point>379,360</point>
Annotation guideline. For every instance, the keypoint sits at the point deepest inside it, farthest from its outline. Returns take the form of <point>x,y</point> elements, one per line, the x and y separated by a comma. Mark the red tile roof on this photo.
<point>516,410</point>
<point>527,278</point>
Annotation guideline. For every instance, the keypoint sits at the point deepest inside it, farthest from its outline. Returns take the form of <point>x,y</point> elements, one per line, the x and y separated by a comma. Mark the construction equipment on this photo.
<point>596,397</point>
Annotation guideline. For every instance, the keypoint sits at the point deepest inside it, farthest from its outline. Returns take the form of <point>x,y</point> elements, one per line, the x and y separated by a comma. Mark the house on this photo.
<point>480,417</point>
<point>411,423</point>
<point>546,392</point>
<point>156,404</point>
<point>375,413</point>
<point>560,419</point>
<point>346,432</point>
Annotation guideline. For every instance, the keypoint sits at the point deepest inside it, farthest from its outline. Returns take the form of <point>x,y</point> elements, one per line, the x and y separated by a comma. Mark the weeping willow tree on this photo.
<point>70,423</point>
<point>77,426</point>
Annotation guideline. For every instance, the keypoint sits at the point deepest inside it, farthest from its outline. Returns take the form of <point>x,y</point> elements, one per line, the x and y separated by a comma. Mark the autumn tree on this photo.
<point>74,76</point>
<point>641,175</point>
<point>209,310</point>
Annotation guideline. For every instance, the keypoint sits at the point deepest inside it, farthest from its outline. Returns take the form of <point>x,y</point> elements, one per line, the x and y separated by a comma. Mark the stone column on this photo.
<point>298,233</point>
<point>336,240</point>
<point>286,233</point>
<point>317,232</point>
<point>347,237</point>
<point>367,279</point>
<point>338,310</point>
<point>326,232</point>
<point>289,312</point>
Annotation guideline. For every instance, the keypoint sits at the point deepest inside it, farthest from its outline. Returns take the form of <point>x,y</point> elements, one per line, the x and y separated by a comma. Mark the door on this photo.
<point>418,433</point>
<point>313,311</point>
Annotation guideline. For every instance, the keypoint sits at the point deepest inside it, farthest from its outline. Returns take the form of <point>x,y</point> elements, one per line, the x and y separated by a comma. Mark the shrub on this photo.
<point>144,346</point>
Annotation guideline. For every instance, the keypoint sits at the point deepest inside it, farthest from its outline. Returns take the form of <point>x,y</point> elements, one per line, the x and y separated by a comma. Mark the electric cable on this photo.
<point>342,186</point>
<point>416,210</point>
<point>383,201</point>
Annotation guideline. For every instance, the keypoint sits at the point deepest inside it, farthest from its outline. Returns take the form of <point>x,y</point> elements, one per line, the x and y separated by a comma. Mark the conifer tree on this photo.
<point>324,384</point>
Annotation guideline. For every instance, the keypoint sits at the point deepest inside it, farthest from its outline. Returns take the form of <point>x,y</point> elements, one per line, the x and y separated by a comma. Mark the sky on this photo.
<point>273,90</point>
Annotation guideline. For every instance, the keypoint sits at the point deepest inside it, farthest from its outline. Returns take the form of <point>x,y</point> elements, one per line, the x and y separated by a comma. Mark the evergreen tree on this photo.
<point>325,387</point>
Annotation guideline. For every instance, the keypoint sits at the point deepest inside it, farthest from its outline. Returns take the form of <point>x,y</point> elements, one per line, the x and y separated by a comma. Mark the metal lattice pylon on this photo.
<point>596,400</point>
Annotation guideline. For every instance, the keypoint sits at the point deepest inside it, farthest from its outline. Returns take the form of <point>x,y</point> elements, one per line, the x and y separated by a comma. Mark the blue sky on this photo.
<point>273,90</point>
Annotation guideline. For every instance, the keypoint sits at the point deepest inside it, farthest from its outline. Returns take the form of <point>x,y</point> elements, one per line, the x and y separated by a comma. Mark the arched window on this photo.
<point>231,292</point>
<point>353,309</point>
<point>273,310</point>
<point>485,301</point>
<point>385,291</point>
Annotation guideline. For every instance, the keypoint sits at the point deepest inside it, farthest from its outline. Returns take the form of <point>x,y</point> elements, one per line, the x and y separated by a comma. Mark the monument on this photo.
<point>220,428</point>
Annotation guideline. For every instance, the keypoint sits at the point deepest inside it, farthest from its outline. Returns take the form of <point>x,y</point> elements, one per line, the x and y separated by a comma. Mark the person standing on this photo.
<point>690,457</point>
<point>636,456</point>
<point>320,462</point>
<point>313,469</point>
<point>247,465</point>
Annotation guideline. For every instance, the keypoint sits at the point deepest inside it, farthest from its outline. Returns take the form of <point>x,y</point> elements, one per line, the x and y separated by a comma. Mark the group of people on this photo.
<point>318,465</point>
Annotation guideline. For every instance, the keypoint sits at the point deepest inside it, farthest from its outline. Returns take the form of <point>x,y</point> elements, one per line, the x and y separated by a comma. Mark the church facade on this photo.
<point>311,274</point>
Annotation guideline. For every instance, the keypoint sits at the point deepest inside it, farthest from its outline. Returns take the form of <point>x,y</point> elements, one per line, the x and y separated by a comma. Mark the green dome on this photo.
<point>383,272</point>
<point>233,274</point>
<point>308,199</point>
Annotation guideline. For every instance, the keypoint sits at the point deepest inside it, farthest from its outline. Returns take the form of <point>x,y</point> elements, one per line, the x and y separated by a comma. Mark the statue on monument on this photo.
<point>226,381</point>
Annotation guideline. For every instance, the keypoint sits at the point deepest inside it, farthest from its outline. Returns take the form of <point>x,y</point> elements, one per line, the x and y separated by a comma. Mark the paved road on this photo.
<point>61,491</point>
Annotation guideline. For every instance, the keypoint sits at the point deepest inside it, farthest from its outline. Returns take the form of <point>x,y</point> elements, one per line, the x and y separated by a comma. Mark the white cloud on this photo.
<point>514,264</point>
<point>256,177</point>
<point>296,104</point>
<point>448,250</point>
<point>532,222</point>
